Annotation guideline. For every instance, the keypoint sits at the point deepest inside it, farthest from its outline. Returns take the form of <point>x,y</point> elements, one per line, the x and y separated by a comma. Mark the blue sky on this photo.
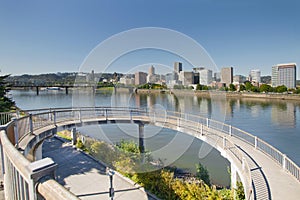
<point>56,36</point>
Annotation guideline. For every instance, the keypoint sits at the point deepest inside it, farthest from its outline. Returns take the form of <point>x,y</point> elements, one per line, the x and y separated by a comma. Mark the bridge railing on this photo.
<point>198,126</point>
<point>35,119</point>
<point>280,158</point>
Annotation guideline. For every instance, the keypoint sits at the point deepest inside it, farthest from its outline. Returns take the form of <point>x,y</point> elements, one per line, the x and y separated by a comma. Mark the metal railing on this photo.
<point>34,120</point>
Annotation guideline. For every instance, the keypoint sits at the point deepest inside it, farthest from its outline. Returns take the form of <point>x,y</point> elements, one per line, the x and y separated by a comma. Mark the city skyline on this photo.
<point>54,36</point>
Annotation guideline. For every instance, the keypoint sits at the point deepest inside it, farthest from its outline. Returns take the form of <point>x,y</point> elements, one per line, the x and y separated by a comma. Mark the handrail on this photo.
<point>52,190</point>
<point>35,119</point>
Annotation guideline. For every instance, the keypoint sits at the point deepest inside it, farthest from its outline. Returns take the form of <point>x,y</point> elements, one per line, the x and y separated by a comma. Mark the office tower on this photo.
<point>254,75</point>
<point>140,78</point>
<point>239,79</point>
<point>151,70</point>
<point>227,75</point>
<point>205,77</point>
<point>186,77</point>
<point>284,74</point>
<point>177,67</point>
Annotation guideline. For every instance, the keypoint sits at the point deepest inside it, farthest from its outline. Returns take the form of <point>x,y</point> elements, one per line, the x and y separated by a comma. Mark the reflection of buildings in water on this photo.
<point>141,100</point>
<point>138,100</point>
<point>255,110</point>
<point>284,114</point>
<point>185,104</point>
<point>151,100</point>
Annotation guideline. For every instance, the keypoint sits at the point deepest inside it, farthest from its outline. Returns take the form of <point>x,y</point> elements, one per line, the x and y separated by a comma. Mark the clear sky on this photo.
<point>56,36</point>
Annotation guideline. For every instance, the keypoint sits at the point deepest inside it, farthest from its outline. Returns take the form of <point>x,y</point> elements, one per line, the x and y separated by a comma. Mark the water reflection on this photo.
<point>284,114</point>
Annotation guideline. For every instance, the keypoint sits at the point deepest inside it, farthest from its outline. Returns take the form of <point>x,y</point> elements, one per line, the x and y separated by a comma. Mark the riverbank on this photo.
<point>209,94</point>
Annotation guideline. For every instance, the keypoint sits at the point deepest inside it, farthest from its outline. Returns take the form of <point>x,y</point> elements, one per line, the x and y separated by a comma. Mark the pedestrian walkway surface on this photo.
<point>84,176</point>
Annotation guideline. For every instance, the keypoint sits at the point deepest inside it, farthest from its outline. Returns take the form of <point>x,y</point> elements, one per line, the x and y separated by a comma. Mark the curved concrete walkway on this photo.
<point>84,176</point>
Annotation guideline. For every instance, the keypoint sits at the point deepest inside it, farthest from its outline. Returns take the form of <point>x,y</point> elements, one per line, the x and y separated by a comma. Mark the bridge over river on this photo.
<point>265,172</point>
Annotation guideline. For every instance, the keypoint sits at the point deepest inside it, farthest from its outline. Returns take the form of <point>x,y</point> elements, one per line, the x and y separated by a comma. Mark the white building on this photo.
<point>254,76</point>
<point>186,78</point>
<point>205,77</point>
<point>284,74</point>
<point>127,81</point>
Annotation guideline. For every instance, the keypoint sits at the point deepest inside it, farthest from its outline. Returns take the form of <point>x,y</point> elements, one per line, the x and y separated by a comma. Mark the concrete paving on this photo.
<point>270,180</point>
<point>84,176</point>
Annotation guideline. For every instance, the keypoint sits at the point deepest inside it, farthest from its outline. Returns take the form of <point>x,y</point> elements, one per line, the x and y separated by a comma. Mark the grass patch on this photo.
<point>65,134</point>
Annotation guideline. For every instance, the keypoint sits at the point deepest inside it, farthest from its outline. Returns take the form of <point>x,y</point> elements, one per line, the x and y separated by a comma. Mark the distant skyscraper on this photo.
<point>254,75</point>
<point>177,67</point>
<point>186,77</point>
<point>284,74</point>
<point>239,79</point>
<point>140,78</point>
<point>151,70</point>
<point>227,75</point>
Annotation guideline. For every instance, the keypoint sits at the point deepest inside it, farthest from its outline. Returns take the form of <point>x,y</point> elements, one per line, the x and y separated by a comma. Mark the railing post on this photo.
<point>31,123</point>
<point>230,130</point>
<point>16,130</point>
<point>255,142</point>
<point>201,129</point>
<point>38,170</point>
<point>243,163</point>
<point>54,117</point>
<point>178,122</point>
<point>73,136</point>
<point>130,115</point>
<point>224,142</point>
<point>207,122</point>
<point>284,161</point>
<point>79,115</point>
<point>106,114</point>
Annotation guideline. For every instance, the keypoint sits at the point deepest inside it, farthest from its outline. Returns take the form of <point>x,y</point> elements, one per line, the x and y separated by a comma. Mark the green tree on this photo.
<point>232,87</point>
<point>248,85</point>
<point>6,103</point>
<point>199,87</point>
<point>202,173</point>
<point>205,87</point>
<point>265,88</point>
<point>281,89</point>
<point>254,89</point>
<point>242,87</point>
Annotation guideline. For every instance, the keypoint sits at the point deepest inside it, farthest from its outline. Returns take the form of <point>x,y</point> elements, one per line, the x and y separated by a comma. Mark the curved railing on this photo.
<point>29,121</point>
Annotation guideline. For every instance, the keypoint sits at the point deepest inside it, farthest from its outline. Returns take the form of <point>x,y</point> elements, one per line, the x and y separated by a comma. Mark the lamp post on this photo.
<point>111,173</point>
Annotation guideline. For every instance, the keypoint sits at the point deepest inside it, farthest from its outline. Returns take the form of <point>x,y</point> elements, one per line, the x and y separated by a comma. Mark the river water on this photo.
<point>275,121</point>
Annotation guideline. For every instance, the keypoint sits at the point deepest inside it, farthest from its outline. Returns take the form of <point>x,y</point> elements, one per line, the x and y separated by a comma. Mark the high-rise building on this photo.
<point>217,76</point>
<point>284,74</point>
<point>186,77</point>
<point>254,75</point>
<point>140,78</point>
<point>205,77</point>
<point>151,70</point>
<point>239,79</point>
<point>177,67</point>
<point>227,75</point>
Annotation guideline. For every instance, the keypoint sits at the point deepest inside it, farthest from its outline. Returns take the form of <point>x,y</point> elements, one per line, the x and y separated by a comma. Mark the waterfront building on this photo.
<point>177,67</point>
<point>127,80</point>
<point>284,74</point>
<point>217,76</point>
<point>202,76</point>
<point>227,75</point>
<point>151,70</point>
<point>239,79</point>
<point>140,78</point>
<point>205,77</point>
<point>254,76</point>
<point>186,78</point>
